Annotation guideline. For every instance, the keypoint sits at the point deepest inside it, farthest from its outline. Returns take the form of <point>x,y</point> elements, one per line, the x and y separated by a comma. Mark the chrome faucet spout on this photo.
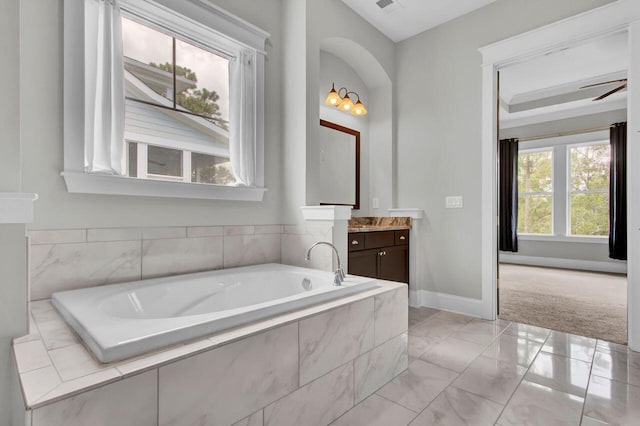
<point>339,273</point>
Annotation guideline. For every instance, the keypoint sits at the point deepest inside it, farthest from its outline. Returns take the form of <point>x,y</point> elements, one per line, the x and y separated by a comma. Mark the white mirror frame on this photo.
<point>613,17</point>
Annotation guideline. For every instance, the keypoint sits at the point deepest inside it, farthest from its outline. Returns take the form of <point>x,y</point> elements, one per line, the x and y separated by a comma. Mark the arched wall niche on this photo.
<point>377,159</point>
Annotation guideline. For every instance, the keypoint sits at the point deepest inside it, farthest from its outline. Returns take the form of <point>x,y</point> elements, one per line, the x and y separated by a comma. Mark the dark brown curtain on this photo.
<point>508,186</point>
<point>618,192</point>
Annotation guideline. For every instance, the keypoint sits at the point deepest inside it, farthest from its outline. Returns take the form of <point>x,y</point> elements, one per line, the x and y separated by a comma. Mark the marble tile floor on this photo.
<point>466,371</point>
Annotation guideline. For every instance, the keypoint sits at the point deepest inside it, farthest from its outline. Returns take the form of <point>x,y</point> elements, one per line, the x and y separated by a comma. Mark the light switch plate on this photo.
<point>454,202</point>
<point>375,203</point>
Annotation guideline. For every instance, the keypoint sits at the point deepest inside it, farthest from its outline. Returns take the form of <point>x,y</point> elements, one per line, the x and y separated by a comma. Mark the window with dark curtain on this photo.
<point>618,192</point>
<point>508,186</point>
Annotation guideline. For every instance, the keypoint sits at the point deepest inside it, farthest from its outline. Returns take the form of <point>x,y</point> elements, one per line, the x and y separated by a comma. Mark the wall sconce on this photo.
<point>344,102</point>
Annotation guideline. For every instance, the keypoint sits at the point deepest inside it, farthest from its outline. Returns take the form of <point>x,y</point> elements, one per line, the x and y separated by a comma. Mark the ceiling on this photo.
<point>549,86</point>
<point>401,19</point>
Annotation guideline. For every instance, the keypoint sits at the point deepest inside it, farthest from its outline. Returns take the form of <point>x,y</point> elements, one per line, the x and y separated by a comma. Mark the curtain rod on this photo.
<point>567,133</point>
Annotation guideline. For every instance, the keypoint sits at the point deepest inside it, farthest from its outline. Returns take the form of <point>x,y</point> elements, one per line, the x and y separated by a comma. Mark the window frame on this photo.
<point>569,192</point>
<point>198,22</point>
<point>561,176</point>
<point>553,186</point>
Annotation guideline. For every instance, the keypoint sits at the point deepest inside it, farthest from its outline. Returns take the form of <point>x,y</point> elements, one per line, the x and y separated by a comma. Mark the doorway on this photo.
<point>555,37</point>
<point>556,112</point>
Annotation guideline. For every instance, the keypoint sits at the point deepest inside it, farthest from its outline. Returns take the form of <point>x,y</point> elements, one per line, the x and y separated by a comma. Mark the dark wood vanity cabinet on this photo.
<point>380,254</point>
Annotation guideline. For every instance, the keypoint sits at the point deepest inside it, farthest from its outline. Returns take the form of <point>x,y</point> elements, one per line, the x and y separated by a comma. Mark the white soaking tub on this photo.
<point>119,321</point>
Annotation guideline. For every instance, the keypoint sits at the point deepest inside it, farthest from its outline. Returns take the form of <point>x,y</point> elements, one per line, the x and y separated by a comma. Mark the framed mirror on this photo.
<point>339,165</point>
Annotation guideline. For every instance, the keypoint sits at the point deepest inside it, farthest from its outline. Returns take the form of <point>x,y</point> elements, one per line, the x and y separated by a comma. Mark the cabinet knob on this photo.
<point>402,237</point>
<point>354,243</point>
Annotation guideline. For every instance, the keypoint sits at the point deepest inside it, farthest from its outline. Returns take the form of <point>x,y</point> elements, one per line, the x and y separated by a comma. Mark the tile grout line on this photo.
<point>459,373</point>
<point>47,351</point>
<point>586,391</point>
<point>157,396</point>
<point>523,376</point>
<point>420,359</point>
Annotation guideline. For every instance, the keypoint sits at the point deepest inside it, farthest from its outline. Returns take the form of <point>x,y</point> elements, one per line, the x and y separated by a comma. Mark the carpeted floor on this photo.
<point>585,303</point>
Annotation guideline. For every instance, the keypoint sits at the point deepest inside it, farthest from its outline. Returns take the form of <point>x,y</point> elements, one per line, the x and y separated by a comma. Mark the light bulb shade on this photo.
<point>347,104</point>
<point>359,109</point>
<point>333,99</point>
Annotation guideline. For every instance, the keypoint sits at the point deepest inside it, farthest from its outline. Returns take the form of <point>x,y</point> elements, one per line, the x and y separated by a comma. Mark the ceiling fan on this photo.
<point>610,92</point>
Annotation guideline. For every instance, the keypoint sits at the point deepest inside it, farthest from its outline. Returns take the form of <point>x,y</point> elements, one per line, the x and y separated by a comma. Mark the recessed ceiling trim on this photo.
<point>562,112</point>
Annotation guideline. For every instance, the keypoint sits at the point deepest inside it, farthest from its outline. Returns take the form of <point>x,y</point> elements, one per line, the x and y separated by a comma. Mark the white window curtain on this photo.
<point>242,118</point>
<point>104,88</point>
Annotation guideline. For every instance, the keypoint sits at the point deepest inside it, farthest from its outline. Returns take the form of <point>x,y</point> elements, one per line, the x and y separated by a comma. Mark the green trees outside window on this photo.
<point>589,190</point>
<point>535,192</point>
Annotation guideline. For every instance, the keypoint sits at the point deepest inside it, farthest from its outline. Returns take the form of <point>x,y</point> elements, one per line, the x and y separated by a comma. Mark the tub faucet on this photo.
<point>339,274</point>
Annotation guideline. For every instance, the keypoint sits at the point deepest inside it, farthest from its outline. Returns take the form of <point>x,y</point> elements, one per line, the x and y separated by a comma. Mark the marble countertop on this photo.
<point>53,364</point>
<point>374,228</point>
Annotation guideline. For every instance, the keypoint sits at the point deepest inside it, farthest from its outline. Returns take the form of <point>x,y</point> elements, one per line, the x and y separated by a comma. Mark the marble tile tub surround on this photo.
<point>555,388</point>
<point>378,223</point>
<point>68,259</point>
<point>268,366</point>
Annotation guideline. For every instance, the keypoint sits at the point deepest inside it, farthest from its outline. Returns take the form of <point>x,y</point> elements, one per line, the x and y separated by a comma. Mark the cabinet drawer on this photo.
<point>356,241</point>
<point>402,237</point>
<point>378,239</point>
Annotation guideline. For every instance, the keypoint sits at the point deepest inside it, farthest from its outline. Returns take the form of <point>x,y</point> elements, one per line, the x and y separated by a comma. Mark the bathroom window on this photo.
<point>588,195</point>
<point>155,162</point>
<point>535,192</point>
<point>192,107</point>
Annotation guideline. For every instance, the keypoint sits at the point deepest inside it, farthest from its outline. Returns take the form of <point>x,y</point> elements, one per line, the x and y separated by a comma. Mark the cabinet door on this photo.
<point>394,264</point>
<point>364,263</point>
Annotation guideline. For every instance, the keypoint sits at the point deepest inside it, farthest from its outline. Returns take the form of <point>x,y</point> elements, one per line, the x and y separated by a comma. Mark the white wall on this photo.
<point>439,90</point>
<point>13,262</point>
<point>41,62</point>
<point>293,117</point>
<point>334,69</point>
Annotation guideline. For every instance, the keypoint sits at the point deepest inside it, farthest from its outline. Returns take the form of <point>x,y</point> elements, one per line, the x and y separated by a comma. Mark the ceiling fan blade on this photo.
<point>604,82</point>
<point>611,92</point>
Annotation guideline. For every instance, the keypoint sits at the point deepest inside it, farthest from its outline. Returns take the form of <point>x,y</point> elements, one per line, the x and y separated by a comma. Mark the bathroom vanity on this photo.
<point>379,248</point>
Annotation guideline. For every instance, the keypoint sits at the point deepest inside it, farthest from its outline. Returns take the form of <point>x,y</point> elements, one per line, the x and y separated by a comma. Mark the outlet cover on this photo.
<point>454,202</point>
<point>375,203</point>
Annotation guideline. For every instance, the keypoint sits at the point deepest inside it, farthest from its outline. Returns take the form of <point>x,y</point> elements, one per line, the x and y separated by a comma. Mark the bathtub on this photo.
<point>119,321</point>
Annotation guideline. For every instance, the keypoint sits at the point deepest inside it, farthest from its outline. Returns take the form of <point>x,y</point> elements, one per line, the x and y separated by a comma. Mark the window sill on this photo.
<point>563,238</point>
<point>88,183</point>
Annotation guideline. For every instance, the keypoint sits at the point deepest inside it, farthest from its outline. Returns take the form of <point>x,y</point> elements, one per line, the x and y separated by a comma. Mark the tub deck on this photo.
<point>53,364</point>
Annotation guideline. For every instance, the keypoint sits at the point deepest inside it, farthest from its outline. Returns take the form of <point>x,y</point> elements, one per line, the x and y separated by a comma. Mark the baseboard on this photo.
<point>446,302</point>
<point>553,262</point>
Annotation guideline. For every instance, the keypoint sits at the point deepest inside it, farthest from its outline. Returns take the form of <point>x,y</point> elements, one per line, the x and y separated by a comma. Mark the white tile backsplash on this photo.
<point>164,232</point>
<point>68,259</point>
<point>239,230</point>
<point>58,236</point>
<point>243,250</point>
<point>57,267</point>
<point>205,231</point>
<point>114,234</point>
<point>180,255</point>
